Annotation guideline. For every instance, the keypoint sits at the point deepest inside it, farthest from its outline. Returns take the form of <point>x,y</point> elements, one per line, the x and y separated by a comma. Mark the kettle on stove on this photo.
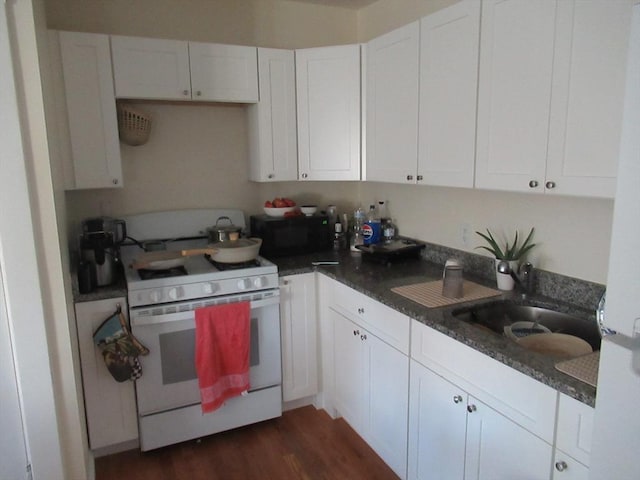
<point>99,246</point>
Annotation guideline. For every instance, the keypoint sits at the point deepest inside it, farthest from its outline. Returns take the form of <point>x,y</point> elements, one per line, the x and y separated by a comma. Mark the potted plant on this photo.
<point>512,253</point>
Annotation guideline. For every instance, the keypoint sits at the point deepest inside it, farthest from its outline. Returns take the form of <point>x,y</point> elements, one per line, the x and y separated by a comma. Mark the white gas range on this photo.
<point>161,310</point>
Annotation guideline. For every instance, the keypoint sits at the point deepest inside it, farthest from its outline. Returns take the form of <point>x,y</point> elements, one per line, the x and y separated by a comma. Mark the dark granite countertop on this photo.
<point>376,280</point>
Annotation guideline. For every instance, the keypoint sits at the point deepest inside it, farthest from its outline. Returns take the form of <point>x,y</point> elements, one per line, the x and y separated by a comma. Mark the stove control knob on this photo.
<point>209,288</point>
<point>155,296</point>
<point>260,282</point>
<point>244,284</point>
<point>176,293</point>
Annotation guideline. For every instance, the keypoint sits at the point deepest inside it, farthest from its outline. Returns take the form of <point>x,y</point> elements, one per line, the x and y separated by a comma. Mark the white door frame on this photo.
<point>21,279</point>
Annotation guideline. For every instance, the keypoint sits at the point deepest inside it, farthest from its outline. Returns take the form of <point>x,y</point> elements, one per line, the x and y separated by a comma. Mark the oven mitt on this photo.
<point>120,349</point>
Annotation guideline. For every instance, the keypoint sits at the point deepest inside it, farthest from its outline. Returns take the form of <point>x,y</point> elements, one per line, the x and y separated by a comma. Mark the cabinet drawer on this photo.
<point>518,397</point>
<point>575,426</point>
<point>384,322</point>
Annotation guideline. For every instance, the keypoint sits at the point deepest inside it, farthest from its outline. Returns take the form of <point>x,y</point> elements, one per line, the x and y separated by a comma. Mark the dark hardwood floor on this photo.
<point>302,444</point>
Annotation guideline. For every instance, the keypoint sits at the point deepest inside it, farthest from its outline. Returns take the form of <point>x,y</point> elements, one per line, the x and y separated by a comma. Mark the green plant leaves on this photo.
<point>512,251</point>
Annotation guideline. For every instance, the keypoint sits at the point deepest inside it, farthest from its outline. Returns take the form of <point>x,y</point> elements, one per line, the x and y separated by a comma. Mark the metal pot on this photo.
<point>224,233</point>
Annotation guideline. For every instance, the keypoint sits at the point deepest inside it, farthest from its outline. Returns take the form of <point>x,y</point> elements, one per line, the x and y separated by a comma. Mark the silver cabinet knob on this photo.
<point>198,93</point>
<point>419,178</point>
<point>363,337</point>
<point>360,310</point>
<point>115,181</point>
<point>457,398</point>
<point>409,177</point>
<point>561,466</point>
<point>550,184</point>
<point>356,333</point>
<point>533,184</point>
<point>271,175</point>
<point>471,408</point>
<point>304,175</point>
<point>185,93</point>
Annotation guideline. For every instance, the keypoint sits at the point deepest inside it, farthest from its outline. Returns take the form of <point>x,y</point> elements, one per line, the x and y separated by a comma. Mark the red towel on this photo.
<point>222,353</point>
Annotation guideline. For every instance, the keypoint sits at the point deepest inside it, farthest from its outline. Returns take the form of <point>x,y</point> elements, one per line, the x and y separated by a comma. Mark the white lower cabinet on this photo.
<point>298,330</point>
<point>573,440</point>
<point>449,412</point>
<point>453,435</point>
<point>371,382</point>
<point>437,426</point>
<point>110,406</point>
<point>472,417</point>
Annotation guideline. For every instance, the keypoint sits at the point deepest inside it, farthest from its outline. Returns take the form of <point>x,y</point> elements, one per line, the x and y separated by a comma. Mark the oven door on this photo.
<point>169,379</point>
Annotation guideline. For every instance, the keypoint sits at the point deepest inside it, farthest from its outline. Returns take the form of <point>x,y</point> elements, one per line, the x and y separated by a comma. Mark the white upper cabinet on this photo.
<point>551,94</point>
<point>392,105</point>
<point>516,56</point>
<point>328,108</point>
<point>587,96</point>
<point>92,145</point>
<point>151,68</point>
<point>449,42</point>
<point>223,73</point>
<point>272,121</point>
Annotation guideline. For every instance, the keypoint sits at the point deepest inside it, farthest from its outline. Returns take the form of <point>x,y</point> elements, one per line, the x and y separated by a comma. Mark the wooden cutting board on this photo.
<point>430,295</point>
<point>153,259</point>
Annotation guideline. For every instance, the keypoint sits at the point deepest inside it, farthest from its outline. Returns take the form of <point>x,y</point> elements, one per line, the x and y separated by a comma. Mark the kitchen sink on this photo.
<point>496,316</point>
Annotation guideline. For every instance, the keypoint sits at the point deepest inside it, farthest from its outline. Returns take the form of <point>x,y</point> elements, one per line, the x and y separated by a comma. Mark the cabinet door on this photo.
<point>272,121</point>
<point>392,106</point>
<point>110,406</point>
<point>349,393</point>
<point>449,43</point>
<point>575,428</point>
<point>514,92</point>
<point>91,110</point>
<point>588,89</point>
<point>223,73</point>
<point>299,333</point>
<point>567,468</point>
<point>437,427</point>
<point>499,448</point>
<point>151,68</point>
<point>386,372</point>
<point>328,107</point>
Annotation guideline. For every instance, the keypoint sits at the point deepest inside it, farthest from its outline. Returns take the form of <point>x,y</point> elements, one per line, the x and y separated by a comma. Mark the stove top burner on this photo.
<point>146,274</point>
<point>232,266</point>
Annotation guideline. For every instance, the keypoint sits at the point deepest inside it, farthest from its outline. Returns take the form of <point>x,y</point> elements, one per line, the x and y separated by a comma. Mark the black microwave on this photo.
<point>291,235</point>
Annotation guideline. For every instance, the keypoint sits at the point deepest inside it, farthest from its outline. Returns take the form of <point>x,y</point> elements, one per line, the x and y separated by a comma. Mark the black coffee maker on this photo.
<point>100,248</point>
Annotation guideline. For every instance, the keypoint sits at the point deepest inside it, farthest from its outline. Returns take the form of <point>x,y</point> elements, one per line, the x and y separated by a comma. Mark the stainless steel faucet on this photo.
<point>526,271</point>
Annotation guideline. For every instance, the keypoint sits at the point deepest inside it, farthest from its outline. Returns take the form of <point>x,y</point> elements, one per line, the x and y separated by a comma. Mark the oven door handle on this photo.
<point>145,320</point>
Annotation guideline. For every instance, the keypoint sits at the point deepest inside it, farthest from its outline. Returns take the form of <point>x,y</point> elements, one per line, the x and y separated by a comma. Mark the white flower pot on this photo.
<point>504,280</point>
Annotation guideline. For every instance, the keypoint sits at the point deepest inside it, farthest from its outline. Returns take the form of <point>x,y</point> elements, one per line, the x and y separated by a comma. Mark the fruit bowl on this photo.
<point>278,212</point>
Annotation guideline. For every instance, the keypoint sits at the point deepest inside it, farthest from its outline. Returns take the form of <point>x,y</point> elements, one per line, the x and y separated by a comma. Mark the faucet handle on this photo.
<point>525,268</point>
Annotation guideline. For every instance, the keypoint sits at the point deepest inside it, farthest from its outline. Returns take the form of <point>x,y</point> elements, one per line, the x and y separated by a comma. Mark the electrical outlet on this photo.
<point>465,234</point>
